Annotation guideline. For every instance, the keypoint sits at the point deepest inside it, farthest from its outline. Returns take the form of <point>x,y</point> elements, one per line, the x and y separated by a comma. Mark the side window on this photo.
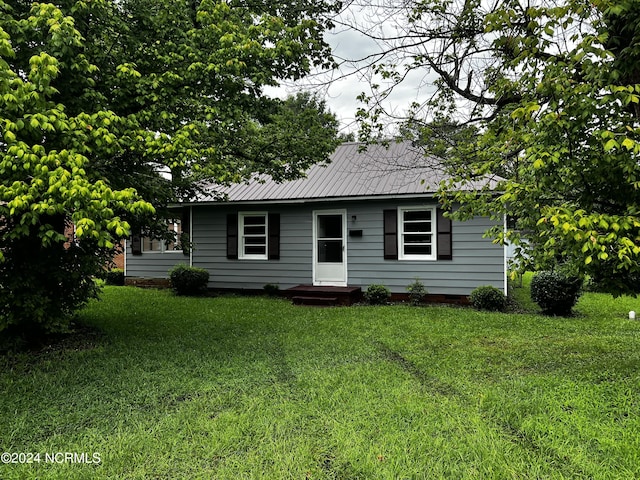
<point>161,246</point>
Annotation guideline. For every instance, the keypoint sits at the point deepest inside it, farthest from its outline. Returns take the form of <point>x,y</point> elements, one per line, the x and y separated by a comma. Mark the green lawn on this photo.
<point>235,387</point>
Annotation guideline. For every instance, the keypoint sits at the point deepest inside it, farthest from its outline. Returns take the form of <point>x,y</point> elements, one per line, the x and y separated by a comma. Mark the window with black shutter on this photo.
<point>417,233</point>
<point>253,236</point>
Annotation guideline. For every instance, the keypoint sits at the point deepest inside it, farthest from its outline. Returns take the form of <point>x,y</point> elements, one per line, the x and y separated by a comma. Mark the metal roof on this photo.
<point>399,169</point>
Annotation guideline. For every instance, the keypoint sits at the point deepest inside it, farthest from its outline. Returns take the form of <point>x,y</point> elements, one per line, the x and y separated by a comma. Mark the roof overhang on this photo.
<point>300,201</point>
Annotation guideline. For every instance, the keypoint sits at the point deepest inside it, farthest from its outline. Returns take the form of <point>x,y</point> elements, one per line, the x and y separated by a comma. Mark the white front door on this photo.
<point>329,248</point>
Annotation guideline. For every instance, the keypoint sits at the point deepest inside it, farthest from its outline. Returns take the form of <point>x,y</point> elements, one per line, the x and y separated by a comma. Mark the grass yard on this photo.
<point>232,388</point>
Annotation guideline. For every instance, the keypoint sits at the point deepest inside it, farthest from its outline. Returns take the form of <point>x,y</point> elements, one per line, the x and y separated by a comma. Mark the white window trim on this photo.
<point>434,235</point>
<point>241,254</point>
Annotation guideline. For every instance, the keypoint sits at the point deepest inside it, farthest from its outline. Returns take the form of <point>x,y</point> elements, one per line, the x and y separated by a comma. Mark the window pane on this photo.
<point>254,241</point>
<point>329,226</point>
<point>255,250</point>
<point>417,249</point>
<point>417,227</point>
<point>176,228</point>
<point>417,239</point>
<point>254,220</point>
<point>329,251</point>
<point>417,215</point>
<point>254,230</point>
<point>150,245</point>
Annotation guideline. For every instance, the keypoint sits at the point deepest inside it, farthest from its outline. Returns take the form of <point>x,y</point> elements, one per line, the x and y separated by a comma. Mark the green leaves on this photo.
<point>564,133</point>
<point>181,90</point>
<point>112,111</point>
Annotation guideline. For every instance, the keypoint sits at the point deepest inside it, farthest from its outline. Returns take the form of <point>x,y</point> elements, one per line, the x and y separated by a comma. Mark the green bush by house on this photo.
<point>488,297</point>
<point>115,276</point>
<point>377,295</point>
<point>186,280</point>
<point>417,292</point>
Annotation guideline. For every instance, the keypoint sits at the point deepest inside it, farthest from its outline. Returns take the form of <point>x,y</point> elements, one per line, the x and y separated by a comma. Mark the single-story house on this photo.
<point>368,217</point>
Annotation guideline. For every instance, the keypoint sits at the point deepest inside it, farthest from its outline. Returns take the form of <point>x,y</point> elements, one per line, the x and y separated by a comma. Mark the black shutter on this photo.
<point>185,237</point>
<point>232,236</point>
<point>274,236</point>
<point>445,239</point>
<point>136,242</point>
<point>390,234</point>
<point>185,220</point>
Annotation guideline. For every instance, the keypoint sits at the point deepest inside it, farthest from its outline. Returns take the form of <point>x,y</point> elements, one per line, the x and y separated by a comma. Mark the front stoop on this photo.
<point>323,296</point>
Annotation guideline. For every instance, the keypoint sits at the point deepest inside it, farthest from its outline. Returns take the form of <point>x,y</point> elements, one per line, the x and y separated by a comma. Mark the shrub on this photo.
<point>613,283</point>
<point>488,297</point>
<point>377,295</point>
<point>417,292</point>
<point>272,289</point>
<point>186,280</point>
<point>43,285</point>
<point>555,292</point>
<point>115,276</point>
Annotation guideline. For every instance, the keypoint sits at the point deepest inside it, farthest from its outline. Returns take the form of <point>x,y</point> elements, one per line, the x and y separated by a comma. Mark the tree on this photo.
<point>552,89</point>
<point>111,110</point>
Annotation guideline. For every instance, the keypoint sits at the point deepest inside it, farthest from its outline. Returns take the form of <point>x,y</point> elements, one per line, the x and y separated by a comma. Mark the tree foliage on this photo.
<point>552,89</point>
<point>111,110</point>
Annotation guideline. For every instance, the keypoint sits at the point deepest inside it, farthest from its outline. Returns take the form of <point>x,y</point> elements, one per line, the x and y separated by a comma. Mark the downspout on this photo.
<point>124,253</point>
<point>191,235</point>
<point>506,260</point>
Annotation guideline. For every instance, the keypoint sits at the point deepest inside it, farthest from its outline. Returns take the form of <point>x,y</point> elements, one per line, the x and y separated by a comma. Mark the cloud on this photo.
<point>355,49</point>
<point>340,87</point>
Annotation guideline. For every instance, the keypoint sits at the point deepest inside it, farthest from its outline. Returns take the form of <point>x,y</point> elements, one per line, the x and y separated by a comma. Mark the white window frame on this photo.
<point>241,236</point>
<point>163,244</point>
<point>401,234</point>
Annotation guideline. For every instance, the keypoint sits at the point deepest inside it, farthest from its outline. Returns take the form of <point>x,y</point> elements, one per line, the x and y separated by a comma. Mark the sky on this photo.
<point>341,88</point>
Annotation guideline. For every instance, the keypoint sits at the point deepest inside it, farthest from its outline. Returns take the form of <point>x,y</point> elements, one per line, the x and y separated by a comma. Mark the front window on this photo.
<point>253,235</point>
<point>417,239</point>
<point>161,246</point>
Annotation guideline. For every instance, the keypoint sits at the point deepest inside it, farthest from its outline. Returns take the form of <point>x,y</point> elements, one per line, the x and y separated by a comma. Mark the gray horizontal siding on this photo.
<point>153,264</point>
<point>210,250</point>
<point>476,260</point>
